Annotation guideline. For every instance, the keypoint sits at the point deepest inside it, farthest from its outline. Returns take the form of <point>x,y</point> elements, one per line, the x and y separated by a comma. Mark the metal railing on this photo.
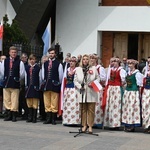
<point>23,48</point>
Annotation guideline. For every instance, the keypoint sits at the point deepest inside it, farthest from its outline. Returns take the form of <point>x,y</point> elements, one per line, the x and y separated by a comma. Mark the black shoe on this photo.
<point>48,118</point>
<point>30,115</point>
<point>14,116</point>
<point>34,115</point>
<point>130,130</point>
<point>147,131</point>
<point>53,122</point>
<point>54,116</point>
<point>29,120</point>
<point>1,115</point>
<point>114,129</point>
<point>8,116</point>
<point>8,119</point>
<point>24,117</point>
<point>47,122</point>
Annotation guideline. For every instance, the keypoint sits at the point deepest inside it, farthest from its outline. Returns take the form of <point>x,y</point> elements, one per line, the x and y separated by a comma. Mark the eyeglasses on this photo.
<point>72,61</point>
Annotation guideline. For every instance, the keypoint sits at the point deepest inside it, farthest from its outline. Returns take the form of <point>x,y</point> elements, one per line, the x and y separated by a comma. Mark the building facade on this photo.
<point>7,8</point>
<point>109,28</point>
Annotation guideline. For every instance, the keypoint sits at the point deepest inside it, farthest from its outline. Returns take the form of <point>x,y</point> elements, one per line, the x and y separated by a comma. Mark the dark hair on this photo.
<point>143,59</point>
<point>52,49</point>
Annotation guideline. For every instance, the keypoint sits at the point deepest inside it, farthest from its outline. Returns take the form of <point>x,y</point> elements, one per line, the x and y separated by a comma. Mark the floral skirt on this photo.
<point>98,121</point>
<point>112,115</point>
<point>146,108</point>
<point>71,112</point>
<point>131,109</point>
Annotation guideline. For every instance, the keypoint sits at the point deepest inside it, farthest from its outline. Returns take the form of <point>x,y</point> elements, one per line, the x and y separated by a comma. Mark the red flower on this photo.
<point>90,71</point>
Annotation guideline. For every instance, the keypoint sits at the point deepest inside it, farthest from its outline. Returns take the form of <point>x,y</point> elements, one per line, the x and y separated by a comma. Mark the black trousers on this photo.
<point>22,102</point>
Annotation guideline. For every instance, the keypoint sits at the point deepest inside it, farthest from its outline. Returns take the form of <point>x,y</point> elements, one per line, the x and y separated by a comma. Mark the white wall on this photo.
<point>124,18</point>
<point>6,8</point>
<point>78,23</point>
<point>10,12</point>
<point>2,8</point>
<point>76,28</point>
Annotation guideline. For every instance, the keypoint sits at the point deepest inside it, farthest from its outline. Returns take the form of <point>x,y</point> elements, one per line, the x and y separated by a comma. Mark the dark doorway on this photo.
<point>133,46</point>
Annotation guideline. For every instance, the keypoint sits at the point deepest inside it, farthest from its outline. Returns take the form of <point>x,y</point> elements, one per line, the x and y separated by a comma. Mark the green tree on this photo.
<point>13,33</point>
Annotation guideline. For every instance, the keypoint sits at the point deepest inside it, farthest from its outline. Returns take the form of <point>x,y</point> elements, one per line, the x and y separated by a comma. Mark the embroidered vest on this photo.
<point>147,82</point>
<point>12,76</point>
<point>52,77</point>
<point>131,83</point>
<point>115,78</point>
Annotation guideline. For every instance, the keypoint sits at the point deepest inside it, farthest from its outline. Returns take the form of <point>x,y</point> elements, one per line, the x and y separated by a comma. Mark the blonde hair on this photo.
<point>81,62</point>
<point>13,48</point>
<point>32,56</point>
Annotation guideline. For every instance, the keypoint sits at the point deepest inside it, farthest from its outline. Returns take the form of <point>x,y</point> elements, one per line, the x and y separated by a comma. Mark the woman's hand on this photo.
<point>82,90</point>
<point>89,85</point>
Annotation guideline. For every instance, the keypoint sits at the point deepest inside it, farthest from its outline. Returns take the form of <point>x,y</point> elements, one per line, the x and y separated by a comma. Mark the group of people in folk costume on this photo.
<point>124,100</point>
<point>47,79</point>
<point>124,97</point>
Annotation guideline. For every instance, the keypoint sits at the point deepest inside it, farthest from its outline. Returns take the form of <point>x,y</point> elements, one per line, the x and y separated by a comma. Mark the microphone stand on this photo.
<point>82,91</point>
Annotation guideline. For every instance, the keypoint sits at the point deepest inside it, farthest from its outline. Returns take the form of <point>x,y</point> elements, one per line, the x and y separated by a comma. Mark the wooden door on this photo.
<point>120,45</point>
<point>146,46</point>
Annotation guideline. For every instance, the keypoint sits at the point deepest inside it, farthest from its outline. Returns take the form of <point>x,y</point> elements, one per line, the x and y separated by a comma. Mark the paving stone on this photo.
<point>37,136</point>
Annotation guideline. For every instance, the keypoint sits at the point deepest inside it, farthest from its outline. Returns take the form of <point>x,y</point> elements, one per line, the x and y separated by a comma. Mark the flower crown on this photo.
<point>132,61</point>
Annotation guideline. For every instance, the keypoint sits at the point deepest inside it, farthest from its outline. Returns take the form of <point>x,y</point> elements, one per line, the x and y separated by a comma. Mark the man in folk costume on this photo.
<point>131,109</point>
<point>146,100</point>
<point>116,79</point>
<point>22,101</point>
<point>32,83</point>
<point>12,70</point>
<point>98,121</point>
<point>52,74</point>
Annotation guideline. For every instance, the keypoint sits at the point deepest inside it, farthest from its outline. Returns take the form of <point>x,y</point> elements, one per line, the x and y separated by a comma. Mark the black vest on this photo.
<point>12,76</point>
<point>52,77</point>
<point>32,89</point>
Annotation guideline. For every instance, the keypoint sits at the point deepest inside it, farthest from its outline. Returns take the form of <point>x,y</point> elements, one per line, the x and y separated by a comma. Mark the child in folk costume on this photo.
<point>102,74</point>
<point>116,79</point>
<point>146,100</point>
<point>71,103</point>
<point>131,109</point>
<point>32,83</point>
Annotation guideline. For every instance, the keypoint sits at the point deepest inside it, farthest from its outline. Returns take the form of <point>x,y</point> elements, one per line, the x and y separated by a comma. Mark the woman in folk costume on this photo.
<point>32,84</point>
<point>102,74</point>
<point>84,76</point>
<point>70,104</point>
<point>116,79</point>
<point>107,70</point>
<point>131,109</point>
<point>146,100</point>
